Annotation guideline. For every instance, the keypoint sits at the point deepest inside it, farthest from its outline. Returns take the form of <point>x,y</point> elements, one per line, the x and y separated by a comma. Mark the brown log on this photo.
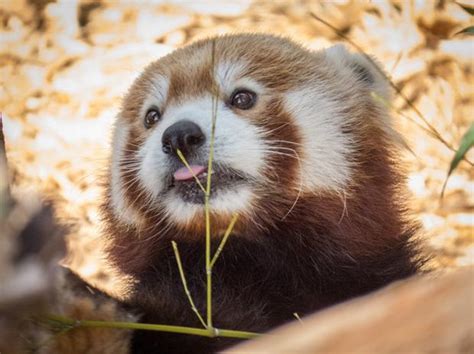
<point>425,314</point>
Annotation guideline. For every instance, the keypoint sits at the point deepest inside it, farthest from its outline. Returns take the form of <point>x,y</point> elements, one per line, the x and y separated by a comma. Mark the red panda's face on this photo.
<point>286,126</point>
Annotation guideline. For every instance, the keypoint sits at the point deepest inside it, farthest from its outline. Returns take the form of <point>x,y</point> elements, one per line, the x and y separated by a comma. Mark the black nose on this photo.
<point>183,135</point>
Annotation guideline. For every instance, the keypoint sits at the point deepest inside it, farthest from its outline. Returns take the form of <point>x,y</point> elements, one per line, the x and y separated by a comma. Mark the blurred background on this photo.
<point>64,66</point>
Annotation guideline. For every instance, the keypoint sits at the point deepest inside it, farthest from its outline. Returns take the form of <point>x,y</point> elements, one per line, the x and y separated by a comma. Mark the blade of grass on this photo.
<point>467,8</point>
<point>433,130</point>
<point>467,142</point>
<point>217,332</point>
<point>215,96</point>
<point>224,239</point>
<point>468,30</point>
<point>208,267</point>
<point>185,162</point>
<point>185,284</point>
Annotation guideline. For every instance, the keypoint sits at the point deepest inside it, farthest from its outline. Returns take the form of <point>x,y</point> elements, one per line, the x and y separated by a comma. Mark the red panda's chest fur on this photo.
<point>309,261</point>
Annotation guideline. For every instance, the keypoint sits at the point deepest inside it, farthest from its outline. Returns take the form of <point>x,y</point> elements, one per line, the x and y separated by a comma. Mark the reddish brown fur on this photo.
<point>327,249</point>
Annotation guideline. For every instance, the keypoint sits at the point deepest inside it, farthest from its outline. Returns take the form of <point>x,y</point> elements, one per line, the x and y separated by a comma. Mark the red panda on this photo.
<point>304,153</point>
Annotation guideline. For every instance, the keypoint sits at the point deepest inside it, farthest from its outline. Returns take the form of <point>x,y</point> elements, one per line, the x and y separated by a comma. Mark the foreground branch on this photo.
<point>423,314</point>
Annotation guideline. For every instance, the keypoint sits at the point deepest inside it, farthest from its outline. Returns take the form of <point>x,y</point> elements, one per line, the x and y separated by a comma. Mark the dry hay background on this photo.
<point>64,67</point>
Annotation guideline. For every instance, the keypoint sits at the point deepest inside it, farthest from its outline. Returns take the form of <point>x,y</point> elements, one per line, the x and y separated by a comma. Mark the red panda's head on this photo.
<point>290,125</point>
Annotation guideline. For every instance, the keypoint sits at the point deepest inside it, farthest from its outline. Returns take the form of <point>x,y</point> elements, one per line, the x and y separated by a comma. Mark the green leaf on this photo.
<point>467,142</point>
<point>468,30</point>
<point>467,8</point>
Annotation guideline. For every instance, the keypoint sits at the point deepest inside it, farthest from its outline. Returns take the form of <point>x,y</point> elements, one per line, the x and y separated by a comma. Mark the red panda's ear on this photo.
<point>365,69</point>
<point>365,73</point>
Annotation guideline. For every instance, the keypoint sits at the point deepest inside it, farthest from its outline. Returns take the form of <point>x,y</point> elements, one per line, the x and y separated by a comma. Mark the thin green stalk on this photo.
<point>208,265</point>
<point>185,284</point>
<point>185,162</point>
<point>215,97</point>
<point>152,327</point>
<point>224,239</point>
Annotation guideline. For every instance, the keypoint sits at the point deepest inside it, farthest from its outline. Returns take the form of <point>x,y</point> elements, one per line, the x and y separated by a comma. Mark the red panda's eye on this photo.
<point>151,117</point>
<point>243,99</point>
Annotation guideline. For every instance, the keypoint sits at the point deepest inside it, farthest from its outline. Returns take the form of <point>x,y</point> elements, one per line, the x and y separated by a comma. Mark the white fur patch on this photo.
<point>230,76</point>
<point>180,211</point>
<point>158,92</point>
<point>342,59</point>
<point>226,202</point>
<point>121,210</point>
<point>324,162</point>
<point>227,73</point>
<point>232,201</point>
<point>237,144</point>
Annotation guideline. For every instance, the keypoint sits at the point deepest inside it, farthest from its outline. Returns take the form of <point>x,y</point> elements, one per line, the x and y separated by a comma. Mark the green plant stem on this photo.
<point>224,239</point>
<point>185,162</point>
<point>152,327</point>
<point>215,97</point>
<point>208,266</point>
<point>185,284</point>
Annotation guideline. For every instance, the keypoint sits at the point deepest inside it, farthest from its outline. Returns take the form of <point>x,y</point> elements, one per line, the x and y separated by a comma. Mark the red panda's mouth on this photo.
<point>185,186</point>
<point>188,173</point>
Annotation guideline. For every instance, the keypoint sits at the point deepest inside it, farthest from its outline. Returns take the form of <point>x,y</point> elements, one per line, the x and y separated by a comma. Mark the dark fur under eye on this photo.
<point>151,117</point>
<point>243,99</point>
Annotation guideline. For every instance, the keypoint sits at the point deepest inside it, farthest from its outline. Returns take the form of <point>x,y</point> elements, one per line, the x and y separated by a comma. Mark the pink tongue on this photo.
<point>183,174</point>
